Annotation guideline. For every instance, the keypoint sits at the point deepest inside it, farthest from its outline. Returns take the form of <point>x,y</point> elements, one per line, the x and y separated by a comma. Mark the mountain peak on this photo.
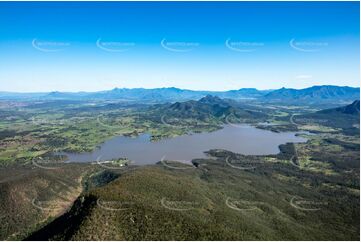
<point>353,108</point>
<point>210,99</point>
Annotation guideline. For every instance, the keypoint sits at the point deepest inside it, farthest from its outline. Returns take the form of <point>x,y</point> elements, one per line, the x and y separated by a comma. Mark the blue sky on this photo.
<point>93,46</point>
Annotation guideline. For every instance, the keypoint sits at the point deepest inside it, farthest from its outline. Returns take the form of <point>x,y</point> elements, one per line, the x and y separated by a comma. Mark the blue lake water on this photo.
<point>243,139</point>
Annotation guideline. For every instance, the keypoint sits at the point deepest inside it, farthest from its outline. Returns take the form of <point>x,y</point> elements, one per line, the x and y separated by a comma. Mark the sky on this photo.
<point>92,46</point>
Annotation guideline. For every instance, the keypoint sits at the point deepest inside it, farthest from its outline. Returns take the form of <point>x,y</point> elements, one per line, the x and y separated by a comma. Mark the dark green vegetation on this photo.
<point>214,201</point>
<point>345,118</point>
<point>309,191</point>
<point>31,196</point>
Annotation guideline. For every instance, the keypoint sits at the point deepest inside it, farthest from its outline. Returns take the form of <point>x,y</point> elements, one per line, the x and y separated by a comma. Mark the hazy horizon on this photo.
<point>205,90</point>
<point>91,46</point>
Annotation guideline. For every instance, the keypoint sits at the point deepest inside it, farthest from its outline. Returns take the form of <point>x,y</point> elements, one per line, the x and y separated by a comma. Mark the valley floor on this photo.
<point>309,191</point>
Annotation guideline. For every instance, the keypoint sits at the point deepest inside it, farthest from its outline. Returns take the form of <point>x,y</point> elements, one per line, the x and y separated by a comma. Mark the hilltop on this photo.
<point>352,109</point>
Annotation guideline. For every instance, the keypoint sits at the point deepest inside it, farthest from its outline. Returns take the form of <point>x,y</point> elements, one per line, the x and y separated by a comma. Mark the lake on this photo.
<point>243,139</point>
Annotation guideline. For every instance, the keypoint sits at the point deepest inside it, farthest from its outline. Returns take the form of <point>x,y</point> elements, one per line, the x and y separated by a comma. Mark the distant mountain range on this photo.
<point>159,94</point>
<point>169,94</point>
<point>172,94</point>
<point>314,93</point>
